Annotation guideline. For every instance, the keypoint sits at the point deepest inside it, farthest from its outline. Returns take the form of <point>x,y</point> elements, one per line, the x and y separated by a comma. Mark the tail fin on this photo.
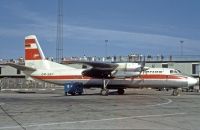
<point>34,57</point>
<point>33,50</point>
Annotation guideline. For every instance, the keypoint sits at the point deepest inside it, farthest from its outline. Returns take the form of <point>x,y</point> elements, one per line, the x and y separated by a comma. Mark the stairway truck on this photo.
<point>73,88</point>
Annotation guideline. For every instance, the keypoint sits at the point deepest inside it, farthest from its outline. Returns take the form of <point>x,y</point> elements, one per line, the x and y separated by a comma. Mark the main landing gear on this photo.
<point>120,91</point>
<point>105,91</point>
<point>176,92</point>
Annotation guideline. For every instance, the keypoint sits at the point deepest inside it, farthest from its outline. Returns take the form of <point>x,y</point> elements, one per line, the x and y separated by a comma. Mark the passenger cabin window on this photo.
<point>175,71</point>
<point>154,72</point>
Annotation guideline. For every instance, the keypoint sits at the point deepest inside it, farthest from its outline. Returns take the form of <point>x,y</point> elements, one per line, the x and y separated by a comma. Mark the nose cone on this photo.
<point>191,81</point>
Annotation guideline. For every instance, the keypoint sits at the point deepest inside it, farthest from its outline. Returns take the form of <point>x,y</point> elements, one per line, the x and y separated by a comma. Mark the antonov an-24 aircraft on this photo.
<point>105,75</point>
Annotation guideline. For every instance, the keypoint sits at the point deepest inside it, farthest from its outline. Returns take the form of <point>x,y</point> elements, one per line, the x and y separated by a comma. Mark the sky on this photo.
<point>147,27</point>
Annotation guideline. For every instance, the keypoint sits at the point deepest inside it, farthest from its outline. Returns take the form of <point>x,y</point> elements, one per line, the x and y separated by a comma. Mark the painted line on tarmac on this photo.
<point>161,104</point>
<point>42,89</point>
<point>89,121</point>
<point>1,103</point>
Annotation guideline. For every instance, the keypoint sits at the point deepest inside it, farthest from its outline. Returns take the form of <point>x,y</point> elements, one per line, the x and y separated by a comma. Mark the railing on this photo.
<point>129,58</point>
<point>138,58</point>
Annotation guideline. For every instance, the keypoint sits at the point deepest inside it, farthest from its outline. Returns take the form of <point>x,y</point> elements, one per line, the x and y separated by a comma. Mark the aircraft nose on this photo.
<point>191,81</point>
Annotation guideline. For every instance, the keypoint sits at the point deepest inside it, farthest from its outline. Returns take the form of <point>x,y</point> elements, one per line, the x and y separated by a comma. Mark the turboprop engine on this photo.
<point>127,70</point>
<point>125,74</point>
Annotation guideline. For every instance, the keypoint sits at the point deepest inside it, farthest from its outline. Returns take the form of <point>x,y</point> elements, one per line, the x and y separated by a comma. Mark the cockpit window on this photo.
<point>179,71</point>
<point>175,71</point>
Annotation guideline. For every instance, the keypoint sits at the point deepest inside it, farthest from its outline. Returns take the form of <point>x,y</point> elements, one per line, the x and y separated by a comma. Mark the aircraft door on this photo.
<point>166,81</point>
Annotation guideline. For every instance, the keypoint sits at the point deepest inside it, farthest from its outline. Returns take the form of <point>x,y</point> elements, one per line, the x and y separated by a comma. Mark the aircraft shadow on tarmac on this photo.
<point>116,93</point>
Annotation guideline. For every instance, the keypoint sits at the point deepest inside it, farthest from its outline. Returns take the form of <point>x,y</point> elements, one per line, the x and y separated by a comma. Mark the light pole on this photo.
<point>181,47</point>
<point>106,47</point>
<point>199,83</point>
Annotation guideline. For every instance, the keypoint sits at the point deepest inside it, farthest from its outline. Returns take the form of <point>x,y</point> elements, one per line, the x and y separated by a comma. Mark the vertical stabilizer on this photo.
<point>33,50</point>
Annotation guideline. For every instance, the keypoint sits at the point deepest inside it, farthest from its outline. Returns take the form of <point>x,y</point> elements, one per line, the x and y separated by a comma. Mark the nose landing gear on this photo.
<point>104,90</point>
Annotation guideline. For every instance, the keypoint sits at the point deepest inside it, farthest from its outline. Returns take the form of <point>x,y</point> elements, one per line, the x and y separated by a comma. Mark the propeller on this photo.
<point>142,68</point>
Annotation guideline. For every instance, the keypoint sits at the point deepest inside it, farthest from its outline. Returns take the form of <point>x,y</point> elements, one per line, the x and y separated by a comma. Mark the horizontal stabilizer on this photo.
<point>21,67</point>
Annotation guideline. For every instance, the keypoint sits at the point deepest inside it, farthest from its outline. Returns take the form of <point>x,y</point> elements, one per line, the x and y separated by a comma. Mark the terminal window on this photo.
<point>195,68</point>
<point>164,65</point>
<point>18,72</point>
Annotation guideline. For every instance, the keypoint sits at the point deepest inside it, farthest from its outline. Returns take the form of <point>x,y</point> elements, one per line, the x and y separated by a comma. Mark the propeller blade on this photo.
<point>142,65</point>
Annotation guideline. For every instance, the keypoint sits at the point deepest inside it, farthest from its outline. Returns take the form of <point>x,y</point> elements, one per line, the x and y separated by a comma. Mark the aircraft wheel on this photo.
<point>72,94</point>
<point>80,93</point>
<point>176,92</point>
<point>120,91</point>
<point>104,92</point>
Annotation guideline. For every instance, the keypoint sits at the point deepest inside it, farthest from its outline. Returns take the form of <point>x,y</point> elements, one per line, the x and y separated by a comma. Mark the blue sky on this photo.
<point>131,26</point>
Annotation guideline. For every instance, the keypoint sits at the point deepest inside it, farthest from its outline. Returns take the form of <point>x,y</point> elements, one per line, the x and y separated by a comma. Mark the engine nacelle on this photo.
<point>128,67</point>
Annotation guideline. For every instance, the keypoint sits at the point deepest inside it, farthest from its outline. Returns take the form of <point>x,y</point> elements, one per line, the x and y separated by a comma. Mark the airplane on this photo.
<point>105,75</point>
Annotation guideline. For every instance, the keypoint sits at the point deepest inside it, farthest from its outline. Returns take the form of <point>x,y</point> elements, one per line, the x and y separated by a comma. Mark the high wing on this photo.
<point>97,70</point>
<point>21,67</point>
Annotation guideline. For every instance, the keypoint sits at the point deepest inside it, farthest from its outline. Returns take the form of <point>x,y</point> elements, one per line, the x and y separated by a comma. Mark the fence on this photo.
<point>21,83</point>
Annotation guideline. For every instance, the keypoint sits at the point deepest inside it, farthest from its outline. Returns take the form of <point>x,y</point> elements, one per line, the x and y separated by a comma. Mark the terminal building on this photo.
<point>13,78</point>
<point>187,65</point>
<point>10,72</point>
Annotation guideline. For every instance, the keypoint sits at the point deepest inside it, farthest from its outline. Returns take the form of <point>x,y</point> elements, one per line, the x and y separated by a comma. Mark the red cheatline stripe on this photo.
<point>29,41</point>
<point>61,77</point>
<point>81,77</point>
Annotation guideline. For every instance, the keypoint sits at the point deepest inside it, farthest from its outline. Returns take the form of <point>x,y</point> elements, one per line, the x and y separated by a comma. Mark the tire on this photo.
<point>80,93</point>
<point>104,92</point>
<point>72,94</point>
<point>176,92</point>
<point>120,91</point>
